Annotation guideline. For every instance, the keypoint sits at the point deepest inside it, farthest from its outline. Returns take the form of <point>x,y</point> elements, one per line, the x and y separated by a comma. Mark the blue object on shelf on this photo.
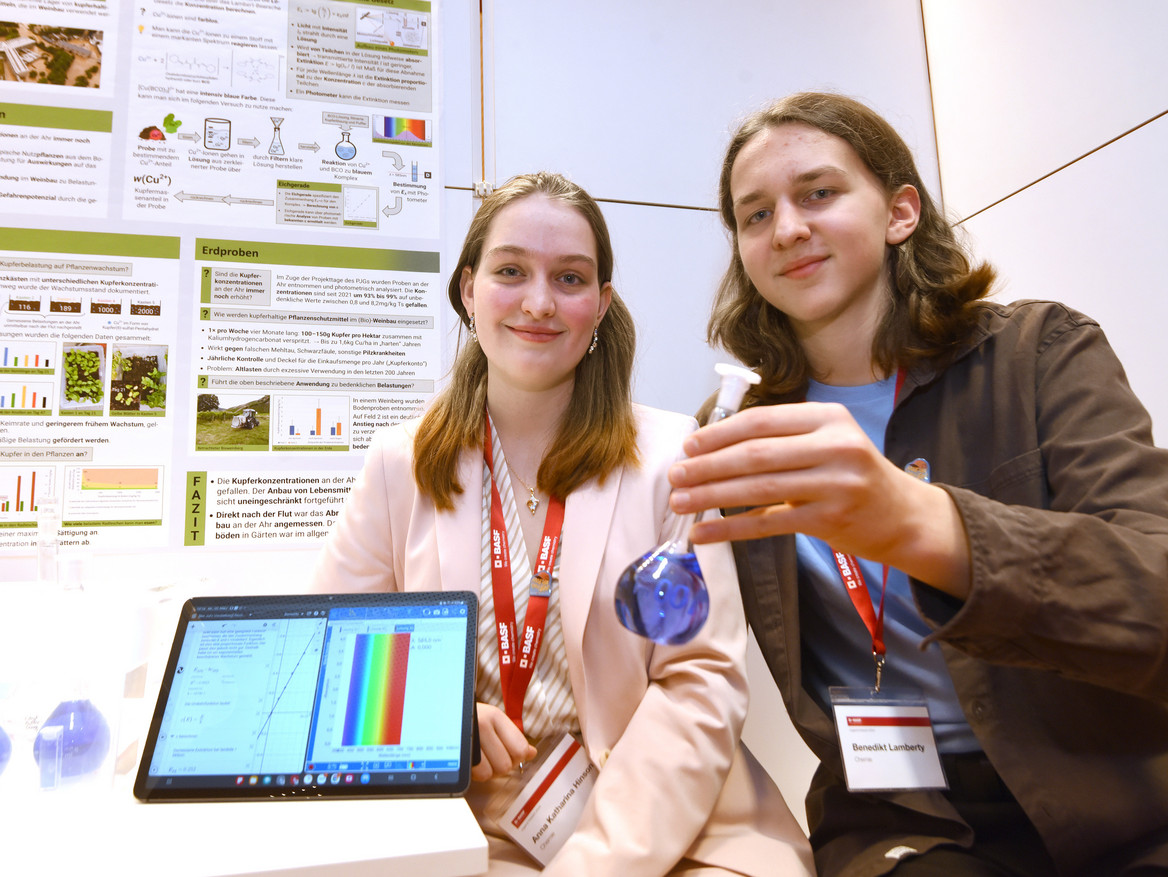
<point>5,750</point>
<point>663,596</point>
<point>85,737</point>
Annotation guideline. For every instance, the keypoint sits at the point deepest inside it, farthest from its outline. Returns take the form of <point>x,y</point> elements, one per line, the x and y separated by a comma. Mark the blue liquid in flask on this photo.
<point>662,596</point>
<point>345,148</point>
<point>5,749</point>
<point>85,737</point>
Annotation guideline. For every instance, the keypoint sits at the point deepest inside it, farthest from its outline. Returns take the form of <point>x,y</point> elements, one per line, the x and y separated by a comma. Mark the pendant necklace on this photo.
<point>532,500</point>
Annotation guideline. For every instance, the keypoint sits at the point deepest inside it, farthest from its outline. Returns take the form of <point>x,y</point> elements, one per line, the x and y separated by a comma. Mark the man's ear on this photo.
<point>904,212</point>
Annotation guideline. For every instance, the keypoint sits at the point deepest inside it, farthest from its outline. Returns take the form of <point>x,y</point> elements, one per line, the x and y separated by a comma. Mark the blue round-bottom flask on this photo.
<point>662,596</point>
<point>85,737</point>
<point>5,750</point>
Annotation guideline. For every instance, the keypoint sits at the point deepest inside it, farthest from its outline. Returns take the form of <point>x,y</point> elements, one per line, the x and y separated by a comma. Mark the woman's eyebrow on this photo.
<point>516,250</point>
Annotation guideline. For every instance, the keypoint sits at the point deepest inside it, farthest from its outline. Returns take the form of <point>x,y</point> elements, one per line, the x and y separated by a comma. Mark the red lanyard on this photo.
<point>853,579</point>
<point>515,675</point>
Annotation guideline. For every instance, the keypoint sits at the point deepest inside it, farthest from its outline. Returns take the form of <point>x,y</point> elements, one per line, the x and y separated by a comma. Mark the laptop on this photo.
<point>315,696</point>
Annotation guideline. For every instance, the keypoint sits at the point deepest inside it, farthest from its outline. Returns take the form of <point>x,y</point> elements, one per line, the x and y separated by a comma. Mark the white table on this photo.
<point>59,641</point>
<point>56,833</point>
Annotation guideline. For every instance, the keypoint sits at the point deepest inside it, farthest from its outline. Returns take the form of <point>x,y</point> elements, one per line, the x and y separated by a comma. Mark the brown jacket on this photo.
<point>1060,654</point>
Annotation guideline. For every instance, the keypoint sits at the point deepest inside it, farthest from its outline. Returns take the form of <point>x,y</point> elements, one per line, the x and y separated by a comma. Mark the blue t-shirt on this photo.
<point>837,647</point>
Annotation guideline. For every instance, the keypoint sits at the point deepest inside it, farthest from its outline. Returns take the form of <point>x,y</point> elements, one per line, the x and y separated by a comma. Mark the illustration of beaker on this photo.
<point>277,147</point>
<point>345,148</point>
<point>217,134</point>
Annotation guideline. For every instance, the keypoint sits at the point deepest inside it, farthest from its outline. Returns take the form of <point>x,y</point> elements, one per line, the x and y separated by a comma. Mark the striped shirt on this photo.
<point>548,707</point>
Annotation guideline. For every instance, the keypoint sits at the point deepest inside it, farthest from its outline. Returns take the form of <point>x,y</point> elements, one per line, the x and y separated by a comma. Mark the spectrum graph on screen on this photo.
<point>390,694</point>
<point>377,690</point>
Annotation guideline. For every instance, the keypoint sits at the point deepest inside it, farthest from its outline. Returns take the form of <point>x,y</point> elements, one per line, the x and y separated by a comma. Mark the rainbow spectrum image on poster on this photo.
<point>400,130</point>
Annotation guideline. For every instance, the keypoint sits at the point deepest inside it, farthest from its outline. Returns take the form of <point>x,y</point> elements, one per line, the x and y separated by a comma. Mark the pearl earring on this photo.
<point>474,335</point>
<point>595,340</point>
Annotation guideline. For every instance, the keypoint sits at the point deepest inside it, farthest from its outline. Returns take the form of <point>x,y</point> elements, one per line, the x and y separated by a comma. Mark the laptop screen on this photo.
<point>348,695</point>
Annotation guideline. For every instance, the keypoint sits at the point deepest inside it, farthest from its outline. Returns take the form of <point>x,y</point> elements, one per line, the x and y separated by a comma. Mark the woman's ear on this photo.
<point>466,288</point>
<point>606,292</point>
<point>904,214</point>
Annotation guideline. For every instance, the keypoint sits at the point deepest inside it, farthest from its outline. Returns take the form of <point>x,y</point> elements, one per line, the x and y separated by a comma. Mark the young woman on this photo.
<point>994,474</point>
<point>536,429</point>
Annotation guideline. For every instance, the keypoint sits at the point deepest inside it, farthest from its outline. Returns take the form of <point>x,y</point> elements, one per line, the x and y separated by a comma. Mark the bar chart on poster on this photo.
<point>20,489</point>
<point>26,397</point>
<point>312,422</point>
<point>31,357</point>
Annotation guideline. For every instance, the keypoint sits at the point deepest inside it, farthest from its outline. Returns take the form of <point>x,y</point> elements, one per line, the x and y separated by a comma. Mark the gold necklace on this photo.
<point>532,500</point>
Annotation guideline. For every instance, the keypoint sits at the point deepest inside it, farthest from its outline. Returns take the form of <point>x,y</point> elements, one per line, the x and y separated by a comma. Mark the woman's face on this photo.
<point>813,225</point>
<point>535,295</point>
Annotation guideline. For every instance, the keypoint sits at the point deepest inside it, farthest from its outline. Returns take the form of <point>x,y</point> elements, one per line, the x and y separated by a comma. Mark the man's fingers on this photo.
<point>754,524</point>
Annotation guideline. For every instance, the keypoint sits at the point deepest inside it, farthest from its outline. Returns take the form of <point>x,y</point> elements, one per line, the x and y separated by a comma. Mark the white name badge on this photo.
<point>886,740</point>
<point>546,810</point>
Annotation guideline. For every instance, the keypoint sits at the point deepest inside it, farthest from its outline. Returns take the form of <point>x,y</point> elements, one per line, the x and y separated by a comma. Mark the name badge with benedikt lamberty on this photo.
<point>886,740</point>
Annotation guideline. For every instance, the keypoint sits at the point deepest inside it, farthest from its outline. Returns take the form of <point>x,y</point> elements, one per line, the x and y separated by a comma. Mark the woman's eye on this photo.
<point>572,279</point>
<point>820,194</point>
<point>509,271</point>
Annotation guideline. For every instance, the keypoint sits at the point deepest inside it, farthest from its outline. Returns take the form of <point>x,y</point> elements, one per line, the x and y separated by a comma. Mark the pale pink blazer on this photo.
<point>661,722</point>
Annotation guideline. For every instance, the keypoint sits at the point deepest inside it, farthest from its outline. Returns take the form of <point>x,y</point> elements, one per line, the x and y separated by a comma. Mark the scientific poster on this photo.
<point>219,236</point>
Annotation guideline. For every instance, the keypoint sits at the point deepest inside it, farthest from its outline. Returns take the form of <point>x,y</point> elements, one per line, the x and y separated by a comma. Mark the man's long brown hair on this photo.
<point>935,290</point>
